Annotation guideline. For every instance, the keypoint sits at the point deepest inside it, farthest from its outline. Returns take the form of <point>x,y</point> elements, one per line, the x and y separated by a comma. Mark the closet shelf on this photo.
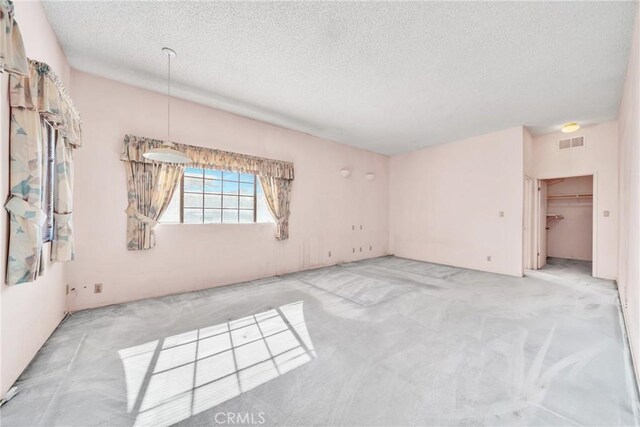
<point>554,216</point>
<point>570,196</point>
<point>555,181</point>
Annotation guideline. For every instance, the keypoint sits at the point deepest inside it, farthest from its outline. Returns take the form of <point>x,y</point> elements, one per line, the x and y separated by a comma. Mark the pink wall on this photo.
<point>30,312</point>
<point>324,205</point>
<point>629,240</point>
<point>445,203</point>
<point>599,157</point>
<point>571,237</point>
<point>528,153</point>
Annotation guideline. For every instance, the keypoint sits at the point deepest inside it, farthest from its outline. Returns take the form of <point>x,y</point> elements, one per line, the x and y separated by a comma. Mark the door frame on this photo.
<point>540,225</point>
<point>528,228</point>
<point>594,239</point>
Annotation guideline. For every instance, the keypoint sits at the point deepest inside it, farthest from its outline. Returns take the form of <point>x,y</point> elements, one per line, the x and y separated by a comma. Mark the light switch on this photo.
<point>501,214</point>
<point>606,214</point>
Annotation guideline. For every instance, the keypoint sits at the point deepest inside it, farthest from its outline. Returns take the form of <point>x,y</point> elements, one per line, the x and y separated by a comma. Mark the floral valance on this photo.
<point>12,55</point>
<point>135,147</point>
<point>36,92</point>
<point>41,90</point>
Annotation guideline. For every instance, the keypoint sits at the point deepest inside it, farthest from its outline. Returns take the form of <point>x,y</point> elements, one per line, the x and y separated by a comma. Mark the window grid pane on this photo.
<point>212,216</point>
<point>213,196</point>
<point>212,186</point>
<point>245,177</point>
<point>193,172</point>
<point>193,216</point>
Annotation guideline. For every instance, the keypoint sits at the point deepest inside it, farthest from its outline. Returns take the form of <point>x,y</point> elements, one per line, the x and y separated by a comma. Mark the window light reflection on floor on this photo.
<point>174,378</point>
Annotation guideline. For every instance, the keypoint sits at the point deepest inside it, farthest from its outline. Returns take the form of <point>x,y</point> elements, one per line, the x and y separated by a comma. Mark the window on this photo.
<point>209,196</point>
<point>49,134</point>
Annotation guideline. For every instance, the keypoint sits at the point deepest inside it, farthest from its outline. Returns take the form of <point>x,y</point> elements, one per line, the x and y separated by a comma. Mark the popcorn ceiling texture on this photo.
<point>390,77</point>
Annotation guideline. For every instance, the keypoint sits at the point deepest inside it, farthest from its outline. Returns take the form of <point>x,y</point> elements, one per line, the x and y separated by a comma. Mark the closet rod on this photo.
<point>555,216</point>
<point>571,196</point>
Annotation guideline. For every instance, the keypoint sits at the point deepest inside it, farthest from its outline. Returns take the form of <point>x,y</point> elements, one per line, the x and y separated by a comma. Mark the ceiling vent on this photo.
<point>565,144</point>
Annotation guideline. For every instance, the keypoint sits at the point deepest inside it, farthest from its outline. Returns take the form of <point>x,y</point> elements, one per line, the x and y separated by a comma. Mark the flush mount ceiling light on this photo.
<point>370,176</point>
<point>345,173</point>
<point>166,152</point>
<point>570,127</point>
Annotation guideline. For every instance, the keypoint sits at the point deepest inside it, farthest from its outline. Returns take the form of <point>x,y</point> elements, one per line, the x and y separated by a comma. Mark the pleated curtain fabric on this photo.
<point>13,58</point>
<point>26,218</point>
<point>35,96</point>
<point>276,177</point>
<point>134,148</point>
<point>277,193</point>
<point>62,246</point>
<point>150,188</point>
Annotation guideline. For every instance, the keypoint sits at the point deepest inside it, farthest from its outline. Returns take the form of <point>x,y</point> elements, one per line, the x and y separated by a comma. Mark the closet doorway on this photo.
<point>564,220</point>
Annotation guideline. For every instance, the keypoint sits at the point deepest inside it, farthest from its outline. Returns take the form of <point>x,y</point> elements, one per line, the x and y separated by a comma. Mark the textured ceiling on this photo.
<point>389,77</point>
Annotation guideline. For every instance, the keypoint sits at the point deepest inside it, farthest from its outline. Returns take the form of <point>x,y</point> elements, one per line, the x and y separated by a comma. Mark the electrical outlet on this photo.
<point>501,214</point>
<point>370,247</point>
<point>360,249</point>
<point>361,227</point>
<point>354,250</point>
<point>489,258</point>
<point>606,214</point>
<point>97,288</point>
<point>329,254</point>
<point>353,227</point>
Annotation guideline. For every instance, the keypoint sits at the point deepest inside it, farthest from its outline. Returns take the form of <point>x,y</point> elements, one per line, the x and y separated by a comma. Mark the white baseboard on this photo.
<point>634,357</point>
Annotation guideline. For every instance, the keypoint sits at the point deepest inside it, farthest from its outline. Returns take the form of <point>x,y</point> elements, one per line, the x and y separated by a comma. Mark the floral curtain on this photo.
<point>135,147</point>
<point>25,202</point>
<point>150,188</point>
<point>62,247</point>
<point>277,192</point>
<point>42,91</point>
<point>39,94</point>
<point>276,177</point>
<point>12,55</point>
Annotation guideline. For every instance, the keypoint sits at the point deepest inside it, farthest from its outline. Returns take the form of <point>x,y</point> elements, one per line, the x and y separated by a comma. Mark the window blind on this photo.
<point>49,179</point>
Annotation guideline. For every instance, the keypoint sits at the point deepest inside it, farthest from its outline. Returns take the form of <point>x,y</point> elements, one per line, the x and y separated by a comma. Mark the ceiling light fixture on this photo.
<point>166,153</point>
<point>570,127</point>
